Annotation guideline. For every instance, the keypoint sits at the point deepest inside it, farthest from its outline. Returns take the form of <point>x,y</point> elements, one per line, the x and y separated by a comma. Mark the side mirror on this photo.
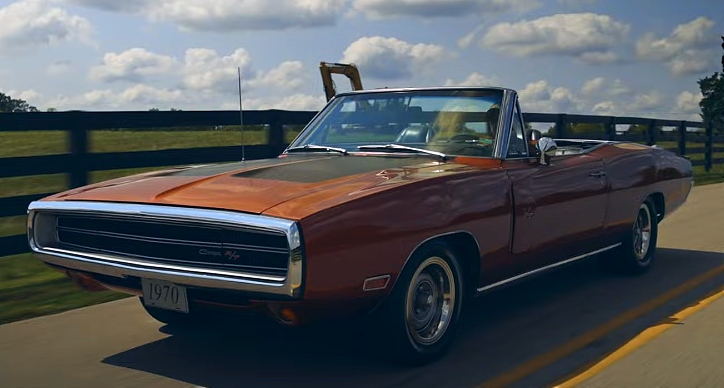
<point>547,147</point>
<point>535,134</point>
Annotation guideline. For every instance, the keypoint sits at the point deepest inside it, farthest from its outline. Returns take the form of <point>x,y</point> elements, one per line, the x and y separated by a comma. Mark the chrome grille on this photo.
<point>226,247</point>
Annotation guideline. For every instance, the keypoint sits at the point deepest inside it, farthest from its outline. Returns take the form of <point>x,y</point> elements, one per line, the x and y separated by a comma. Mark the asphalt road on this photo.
<point>529,335</point>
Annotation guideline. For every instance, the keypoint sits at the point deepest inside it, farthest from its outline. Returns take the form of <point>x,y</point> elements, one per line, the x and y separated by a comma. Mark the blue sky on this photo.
<point>614,57</point>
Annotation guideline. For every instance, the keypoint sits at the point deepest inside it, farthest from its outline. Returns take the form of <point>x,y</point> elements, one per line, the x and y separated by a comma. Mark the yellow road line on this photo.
<point>537,363</point>
<point>641,339</point>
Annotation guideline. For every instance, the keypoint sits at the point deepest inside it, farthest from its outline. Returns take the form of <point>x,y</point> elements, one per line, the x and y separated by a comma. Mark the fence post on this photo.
<point>611,128</point>
<point>651,133</point>
<point>78,141</point>
<point>682,138</point>
<point>708,145</point>
<point>561,126</point>
<point>276,136</point>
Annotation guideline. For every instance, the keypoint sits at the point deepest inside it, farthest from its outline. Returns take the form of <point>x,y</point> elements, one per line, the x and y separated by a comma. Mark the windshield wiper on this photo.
<point>313,147</point>
<point>402,148</point>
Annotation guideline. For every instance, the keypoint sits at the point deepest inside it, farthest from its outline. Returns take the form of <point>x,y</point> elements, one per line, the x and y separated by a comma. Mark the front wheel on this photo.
<point>422,313</point>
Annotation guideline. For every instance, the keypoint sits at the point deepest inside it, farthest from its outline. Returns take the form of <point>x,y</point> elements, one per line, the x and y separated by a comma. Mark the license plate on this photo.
<point>165,295</point>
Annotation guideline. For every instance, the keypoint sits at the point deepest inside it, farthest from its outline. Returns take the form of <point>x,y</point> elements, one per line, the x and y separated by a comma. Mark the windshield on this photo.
<point>449,121</point>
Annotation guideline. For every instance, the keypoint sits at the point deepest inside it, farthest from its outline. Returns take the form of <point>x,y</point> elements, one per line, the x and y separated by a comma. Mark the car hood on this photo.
<point>303,184</point>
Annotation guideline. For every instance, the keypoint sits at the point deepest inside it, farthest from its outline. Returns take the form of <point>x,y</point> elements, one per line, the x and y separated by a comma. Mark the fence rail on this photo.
<point>77,125</point>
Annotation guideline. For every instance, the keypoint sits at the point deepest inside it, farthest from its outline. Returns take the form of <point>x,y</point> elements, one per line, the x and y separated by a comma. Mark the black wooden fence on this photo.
<point>79,162</point>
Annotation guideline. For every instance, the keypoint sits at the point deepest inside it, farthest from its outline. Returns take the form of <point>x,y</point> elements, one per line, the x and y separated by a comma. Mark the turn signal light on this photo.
<point>288,315</point>
<point>376,283</point>
<point>284,315</point>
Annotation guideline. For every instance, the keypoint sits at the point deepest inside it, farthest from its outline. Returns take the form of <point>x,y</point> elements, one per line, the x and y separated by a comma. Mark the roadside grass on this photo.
<point>30,289</point>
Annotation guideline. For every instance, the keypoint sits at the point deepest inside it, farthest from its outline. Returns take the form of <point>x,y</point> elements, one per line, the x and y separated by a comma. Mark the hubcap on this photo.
<point>642,233</point>
<point>430,301</point>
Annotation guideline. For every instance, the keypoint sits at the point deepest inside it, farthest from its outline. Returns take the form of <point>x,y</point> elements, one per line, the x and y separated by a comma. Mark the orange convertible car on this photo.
<point>395,204</point>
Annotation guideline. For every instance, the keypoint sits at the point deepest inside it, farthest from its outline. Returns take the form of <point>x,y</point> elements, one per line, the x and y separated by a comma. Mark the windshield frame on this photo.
<point>500,146</point>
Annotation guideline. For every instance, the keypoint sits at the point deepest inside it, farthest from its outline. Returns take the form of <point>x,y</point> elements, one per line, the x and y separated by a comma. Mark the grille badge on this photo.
<point>230,255</point>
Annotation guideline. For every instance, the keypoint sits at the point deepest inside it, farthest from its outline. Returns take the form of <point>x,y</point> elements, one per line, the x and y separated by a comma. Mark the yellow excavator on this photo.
<point>347,69</point>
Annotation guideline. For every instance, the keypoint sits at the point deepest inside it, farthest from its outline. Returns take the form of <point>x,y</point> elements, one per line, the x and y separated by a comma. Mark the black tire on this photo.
<point>173,318</point>
<point>431,268</point>
<point>636,254</point>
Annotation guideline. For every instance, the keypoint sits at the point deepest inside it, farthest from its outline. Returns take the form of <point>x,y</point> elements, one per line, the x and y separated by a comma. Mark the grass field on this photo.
<point>30,289</point>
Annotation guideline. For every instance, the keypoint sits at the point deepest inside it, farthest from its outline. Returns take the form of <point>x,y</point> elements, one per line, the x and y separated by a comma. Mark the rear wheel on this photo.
<point>636,253</point>
<point>421,315</point>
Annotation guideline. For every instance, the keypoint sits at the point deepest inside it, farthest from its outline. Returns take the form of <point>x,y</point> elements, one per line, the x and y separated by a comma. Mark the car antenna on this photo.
<point>241,116</point>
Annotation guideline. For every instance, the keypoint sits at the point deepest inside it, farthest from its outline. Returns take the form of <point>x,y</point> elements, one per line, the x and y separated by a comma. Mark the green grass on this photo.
<point>29,289</point>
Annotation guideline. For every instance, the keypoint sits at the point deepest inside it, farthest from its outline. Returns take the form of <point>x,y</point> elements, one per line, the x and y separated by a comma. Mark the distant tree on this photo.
<point>712,102</point>
<point>586,128</point>
<point>9,104</point>
<point>51,110</point>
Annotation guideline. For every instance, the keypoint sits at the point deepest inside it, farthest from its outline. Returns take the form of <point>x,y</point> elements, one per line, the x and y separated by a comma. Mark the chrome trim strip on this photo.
<point>505,121</point>
<point>290,285</point>
<point>167,212</point>
<point>546,268</point>
<point>150,265</point>
<point>148,260</point>
<point>516,106</point>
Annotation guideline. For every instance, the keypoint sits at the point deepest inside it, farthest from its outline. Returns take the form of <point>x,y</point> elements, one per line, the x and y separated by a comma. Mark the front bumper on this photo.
<point>42,238</point>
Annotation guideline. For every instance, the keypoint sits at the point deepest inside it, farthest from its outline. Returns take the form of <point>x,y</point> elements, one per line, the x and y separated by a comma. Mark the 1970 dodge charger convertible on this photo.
<point>392,204</point>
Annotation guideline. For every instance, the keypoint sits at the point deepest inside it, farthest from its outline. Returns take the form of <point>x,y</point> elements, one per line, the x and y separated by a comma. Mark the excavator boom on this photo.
<point>349,70</point>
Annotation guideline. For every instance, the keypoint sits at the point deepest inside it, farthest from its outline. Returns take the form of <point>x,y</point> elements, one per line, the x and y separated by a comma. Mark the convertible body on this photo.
<point>371,210</point>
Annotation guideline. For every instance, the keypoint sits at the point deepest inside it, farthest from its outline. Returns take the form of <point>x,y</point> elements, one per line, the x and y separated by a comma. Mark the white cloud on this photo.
<point>392,58</point>
<point>28,24</point>
<point>132,65</point>
<point>468,39</point>
<point>228,15</point>
<point>289,75</point>
<point>135,97</point>
<point>204,69</point>
<point>588,37</point>
<point>688,102</point>
<point>202,79</point>
<point>601,87</point>
<point>111,5</point>
<point>58,67</point>
<point>292,102</point>
<point>577,2</point>
<point>201,70</point>
<point>593,85</point>
<point>646,101</point>
<point>475,79</point>
<point>28,96</point>
<point>541,97</point>
<point>380,9</point>
<point>605,108</point>
<point>685,51</point>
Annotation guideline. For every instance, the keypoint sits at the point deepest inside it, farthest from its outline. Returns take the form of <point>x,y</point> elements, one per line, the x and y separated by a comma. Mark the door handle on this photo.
<point>599,174</point>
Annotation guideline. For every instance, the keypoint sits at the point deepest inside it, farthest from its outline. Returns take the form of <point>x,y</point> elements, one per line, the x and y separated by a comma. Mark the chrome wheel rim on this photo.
<point>430,301</point>
<point>642,233</point>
